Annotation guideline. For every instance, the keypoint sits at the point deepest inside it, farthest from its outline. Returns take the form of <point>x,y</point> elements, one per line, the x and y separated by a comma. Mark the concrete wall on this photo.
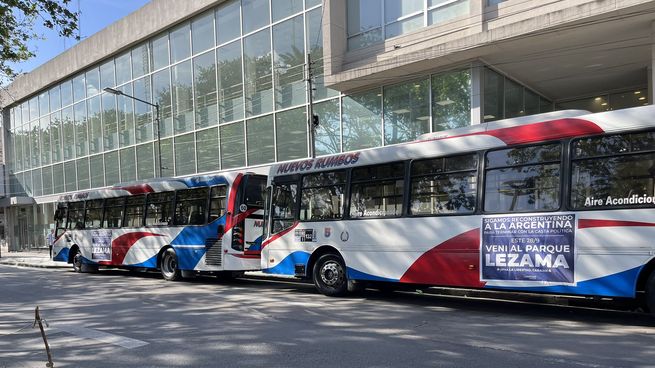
<point>119,36</point>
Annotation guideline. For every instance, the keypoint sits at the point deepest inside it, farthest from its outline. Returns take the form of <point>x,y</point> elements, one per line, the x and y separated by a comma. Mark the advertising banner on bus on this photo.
<point>101,245</point>
<point>528,248</point>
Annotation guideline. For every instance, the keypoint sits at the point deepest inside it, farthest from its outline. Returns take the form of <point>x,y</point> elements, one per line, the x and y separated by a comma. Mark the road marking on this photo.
<point>101,336</point>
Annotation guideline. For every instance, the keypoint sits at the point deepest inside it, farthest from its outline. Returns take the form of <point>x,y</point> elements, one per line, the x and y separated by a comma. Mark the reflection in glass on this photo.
<point>145,161</point>
<point>94,123</point>
<point>362,126</point>
<point>202,32</point>
<point>182,97</point>
<point>161,85</point>
<point>406,111</point>
<point>180,43</point>
<point>204,89</point>
<point>232,146</point>
<point>207,150</point>
<point>261,148</point>
<point>128,165</point>
<point>291,134</point>
<point>185,155</point>
<point>328,132</point>
<point>257,68</point>
<point>255,14</point>
<point>451,100</point>
<point>228,22</point>
<point>289,62</point>
<point>230,82</point>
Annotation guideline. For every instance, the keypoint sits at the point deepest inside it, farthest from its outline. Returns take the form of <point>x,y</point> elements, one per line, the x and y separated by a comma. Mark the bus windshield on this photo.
<point>254,195</point>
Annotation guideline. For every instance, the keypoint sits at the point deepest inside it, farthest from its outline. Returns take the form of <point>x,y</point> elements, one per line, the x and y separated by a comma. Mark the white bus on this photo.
<point>209,223</point>
<point>554,203</point>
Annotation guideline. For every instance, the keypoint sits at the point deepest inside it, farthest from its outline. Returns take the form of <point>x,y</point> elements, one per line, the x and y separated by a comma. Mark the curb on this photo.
<point>31,265</point>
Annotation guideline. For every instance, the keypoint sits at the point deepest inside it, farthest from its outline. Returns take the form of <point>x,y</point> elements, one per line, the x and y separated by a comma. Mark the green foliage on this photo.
<point>17,19</point>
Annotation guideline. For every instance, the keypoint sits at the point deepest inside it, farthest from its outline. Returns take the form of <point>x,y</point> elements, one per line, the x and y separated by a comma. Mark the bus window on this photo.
<point>159,209</point>
<point>75,215</point>
<point>217,202</point>
<point>523,179</point>
<point>377,191</point>
<point>93,218</point>
<point>284,205</point>
<point>255,187</point>
<point>113,212</point>
<point>61,215</point>
<point>322,195</point>
<point>135,207</point>
<point>444,185</point>
<point>190,206</point>
<point>613,171</point>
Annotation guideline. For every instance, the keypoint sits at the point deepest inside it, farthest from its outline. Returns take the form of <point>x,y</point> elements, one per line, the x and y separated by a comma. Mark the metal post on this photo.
<point>159,166</point>
<point>310,115</point>
<point>37,319</point>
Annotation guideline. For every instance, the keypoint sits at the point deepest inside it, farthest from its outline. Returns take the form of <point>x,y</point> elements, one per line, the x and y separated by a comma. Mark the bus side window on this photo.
<point>284,205</point>
<point>135,208</point>
<point>377,191</point>
<point>190,206</point>
<point>93,218</point>
<point>217,202</point>
<point>322,194</point>
<point>159,209</point>
<point>113,212</point>
<point>75,215</point>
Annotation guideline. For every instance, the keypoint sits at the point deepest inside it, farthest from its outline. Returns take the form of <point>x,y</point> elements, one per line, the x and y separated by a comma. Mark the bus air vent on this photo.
<point>214,254</point>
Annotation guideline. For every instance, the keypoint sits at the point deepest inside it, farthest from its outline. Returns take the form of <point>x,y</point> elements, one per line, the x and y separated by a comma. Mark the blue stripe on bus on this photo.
<point>256,245</point>
<point>188,258</point>
<point>203,181</point>
<point>354,274</point>
<point>288,264</point>
<point>62,255</point>
<point>150,263</point>
<point>197,235</point>
<point>622,284</point>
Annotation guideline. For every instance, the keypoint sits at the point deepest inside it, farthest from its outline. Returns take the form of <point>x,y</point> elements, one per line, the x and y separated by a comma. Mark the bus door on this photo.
<point>249,215</point>
<point>61,214</point>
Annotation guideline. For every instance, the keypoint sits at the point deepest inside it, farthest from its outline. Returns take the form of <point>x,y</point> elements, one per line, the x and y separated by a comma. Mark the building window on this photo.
<point>406,111</point>
<point>451,100</point>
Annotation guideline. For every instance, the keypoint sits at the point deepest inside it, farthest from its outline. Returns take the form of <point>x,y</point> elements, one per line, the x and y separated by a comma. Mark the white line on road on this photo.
<point>101,336</point>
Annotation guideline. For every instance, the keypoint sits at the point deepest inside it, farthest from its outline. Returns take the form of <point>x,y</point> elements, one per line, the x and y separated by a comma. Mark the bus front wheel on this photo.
<point>650,293</point>
<point>168,267</point>
<point>329,275</point>
<point>77,261</point>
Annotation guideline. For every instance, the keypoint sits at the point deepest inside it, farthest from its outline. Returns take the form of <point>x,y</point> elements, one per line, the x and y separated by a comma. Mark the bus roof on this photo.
<point>509,132</point>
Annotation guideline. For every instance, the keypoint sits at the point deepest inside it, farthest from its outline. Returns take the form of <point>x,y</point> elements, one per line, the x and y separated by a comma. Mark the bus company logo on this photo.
<point>327,232</point>
<point>319,163</point>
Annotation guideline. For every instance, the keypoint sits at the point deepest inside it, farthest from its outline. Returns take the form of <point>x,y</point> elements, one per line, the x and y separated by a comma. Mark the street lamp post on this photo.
<point>156,106</point>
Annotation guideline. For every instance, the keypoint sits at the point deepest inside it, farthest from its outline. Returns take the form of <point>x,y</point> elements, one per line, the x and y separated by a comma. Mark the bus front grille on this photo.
<point>214,248</point>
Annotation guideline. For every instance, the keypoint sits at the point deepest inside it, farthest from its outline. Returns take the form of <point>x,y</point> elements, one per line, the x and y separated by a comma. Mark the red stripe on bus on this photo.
<point>585,224</point>
<point>455,262</point>
<point>247,256</point>
<point>138,189</point>
<point>231,203</point>
<point>122,244</point>
<point>279,235</point>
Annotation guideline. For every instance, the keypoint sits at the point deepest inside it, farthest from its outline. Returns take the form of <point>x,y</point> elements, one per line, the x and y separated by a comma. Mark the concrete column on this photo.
<point>335,36</point>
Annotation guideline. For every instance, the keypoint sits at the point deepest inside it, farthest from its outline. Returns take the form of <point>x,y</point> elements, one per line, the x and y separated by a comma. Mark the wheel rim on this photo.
<point>169,265</point>
<point>77,261</point>
<point>332,274</point>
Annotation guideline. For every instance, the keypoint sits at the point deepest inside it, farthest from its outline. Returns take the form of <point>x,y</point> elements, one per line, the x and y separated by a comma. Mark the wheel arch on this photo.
<point>318,252</point>
<point>71,253</point>
<point>643,275</point>
<point>161,253</point>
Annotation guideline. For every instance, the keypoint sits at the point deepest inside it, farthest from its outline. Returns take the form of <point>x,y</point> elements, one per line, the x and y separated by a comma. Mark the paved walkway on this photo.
<point>30,259</point>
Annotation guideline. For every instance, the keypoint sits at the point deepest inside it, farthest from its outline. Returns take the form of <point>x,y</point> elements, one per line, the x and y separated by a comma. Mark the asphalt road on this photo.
<point>116,319</point>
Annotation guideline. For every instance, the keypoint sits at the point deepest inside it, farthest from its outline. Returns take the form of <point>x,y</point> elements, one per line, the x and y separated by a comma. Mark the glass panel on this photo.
<point>523,188</point>
<point>34,108</point>
<point>58,178</point>
<point>182,97</point>
<point>255,14</point>
<point>113,217</point>
<point>123,69</point>
<point>83,173</point>
<point>79,88</point>
<point>394,9</point>
<point>257,66</point>
<point>324,203</point>
<point>406,111</point>
<point>145,161</point>
<point>47,180</point>
<point>531,102</point>
<point>444,194</point>
<point>311,3</point>
<point>92,82</point>
<point>291,134</point>
<point>55,136</point>
<point>37,183</point>
<point>451,100</point>
<point>159,209</point>
<point>167,158</point>
<point>107,75</point>
<point>125,115</point>
<point>623,181</point>
<point>161,85</point>
<point>314,34</point>
<point>55,98</point>
<point>35,143</point>
<point>68,133</point>
<point>230,82</point>
<point>95,126</point>
<point>180,43</point>
<point>393,170</point>
<point>289,62</point>
<point>143,112</point>
<point>228,22</point>
<point>135,208</point>
<point>448,12</point>
<point>159,51</point>
<point>112,172</point>
<point>377,199</point>
<point>545,105</point>
<point>493,95</point>
<point>44,104</point>
<point>191,206</point>
<point>140,62</point>
<point>232,146</point>
<point>185,158</point>
<point>363,15</point>
<point>81,126</point>
<point>45,149</point>
<point>513,99</point>
<point>217,202</point>
<point>284,8</point>
<point>284,206</point>
<point>523,156</point>
<point>362,126</point>
<point>66,93</point>
<point>204,89</point>
<point>109,122</point>
<point>261,145</point>
<point>202,32</point>
<point>97,171</point>
<point>365,39</point>
<point>403,26</point>
<point>71,179</point>
<point>328,132</point>
<point>93,218</point>
<point>207,150</point>
<point>128,165</point>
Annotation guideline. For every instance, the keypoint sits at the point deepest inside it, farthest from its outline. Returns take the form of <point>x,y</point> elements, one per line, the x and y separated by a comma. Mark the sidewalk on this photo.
<point>30,259</point>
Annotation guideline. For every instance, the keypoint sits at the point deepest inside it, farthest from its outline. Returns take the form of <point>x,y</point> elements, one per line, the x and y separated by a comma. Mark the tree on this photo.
<point>17,19</point>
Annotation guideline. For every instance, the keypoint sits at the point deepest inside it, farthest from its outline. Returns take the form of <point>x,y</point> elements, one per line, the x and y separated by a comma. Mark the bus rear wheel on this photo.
<point>77,261</point>
<point>329,275</point>
<point>650,293</point>
<point>168,267</point>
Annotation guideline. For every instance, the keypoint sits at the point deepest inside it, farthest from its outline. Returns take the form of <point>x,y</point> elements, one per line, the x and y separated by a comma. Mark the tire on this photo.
<point>329,275</point>
<point>168,266</point>
<point>77,261</point>
<point>650,293</point>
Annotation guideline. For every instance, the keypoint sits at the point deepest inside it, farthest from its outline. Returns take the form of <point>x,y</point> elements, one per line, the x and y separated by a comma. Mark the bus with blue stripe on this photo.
<point>180,226</point>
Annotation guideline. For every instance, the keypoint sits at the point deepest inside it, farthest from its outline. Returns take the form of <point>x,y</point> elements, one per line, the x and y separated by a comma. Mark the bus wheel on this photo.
<point>650,293</point>
<point>329,275</point>
<point>77,261</point>
<point>168,267</point>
